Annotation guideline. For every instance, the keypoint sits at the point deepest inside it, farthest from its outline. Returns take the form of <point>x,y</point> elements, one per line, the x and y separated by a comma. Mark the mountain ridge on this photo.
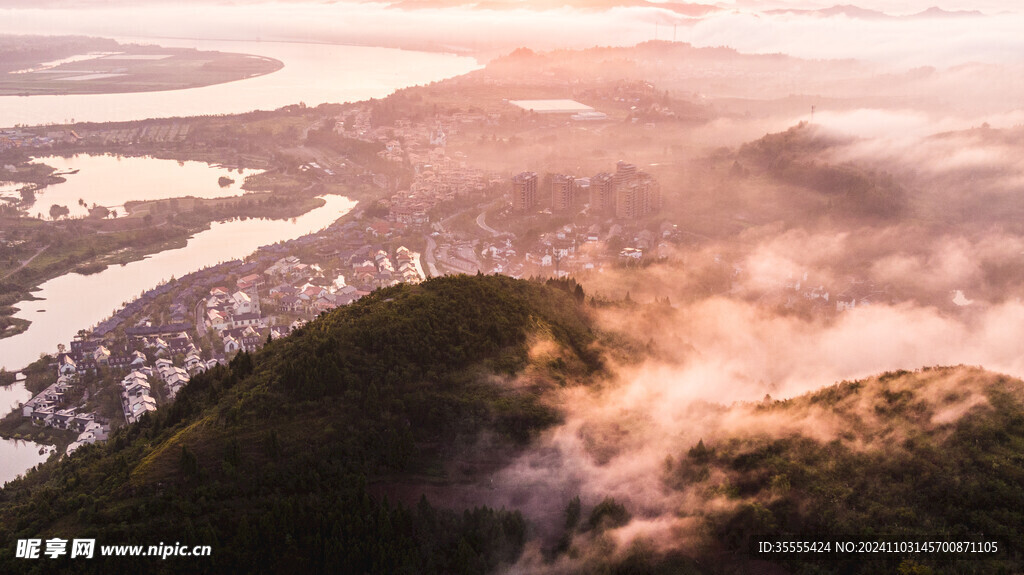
<point>285,459</point>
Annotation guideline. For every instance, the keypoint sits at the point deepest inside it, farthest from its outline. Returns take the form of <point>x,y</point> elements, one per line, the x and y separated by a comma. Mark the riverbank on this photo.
<point>89,246</point>
<point>33,250</point>
<point>71,303</point>
<point>131,68</point>
<point>17,428</point>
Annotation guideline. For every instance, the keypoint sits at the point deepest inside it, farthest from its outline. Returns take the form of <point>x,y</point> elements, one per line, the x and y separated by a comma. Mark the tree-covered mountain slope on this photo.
<point>269,460</point>
<point>935,455</point>
<point>309,457</point>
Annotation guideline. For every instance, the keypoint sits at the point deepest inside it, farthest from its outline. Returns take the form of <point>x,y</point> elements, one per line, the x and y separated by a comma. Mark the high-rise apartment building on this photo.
<point>602,194</point>
<point>524,191</point>
<point>636,193</point>
<point>562,193</point>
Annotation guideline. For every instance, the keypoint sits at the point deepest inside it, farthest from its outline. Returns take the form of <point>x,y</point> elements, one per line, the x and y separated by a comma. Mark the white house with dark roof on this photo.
<point>43,415</point>
<point>193,360</point>
<point>231,344</point>
<point>101,355</point>
<point>92,433</point>
<point>243,303</point>
<point>66,365</point>
<point>138,360</point>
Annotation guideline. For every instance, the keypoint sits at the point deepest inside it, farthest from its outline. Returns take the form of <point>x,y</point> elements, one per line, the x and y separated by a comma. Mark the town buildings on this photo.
<point>524,191</point>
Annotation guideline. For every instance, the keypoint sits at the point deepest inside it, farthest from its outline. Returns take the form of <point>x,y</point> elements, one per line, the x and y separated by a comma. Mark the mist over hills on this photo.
<point>629,423</point>
<point>853,11</point>
<point>313,453</point>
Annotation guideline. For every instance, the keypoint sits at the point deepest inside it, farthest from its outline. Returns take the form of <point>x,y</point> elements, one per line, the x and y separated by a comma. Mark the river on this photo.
<point>312,74</point>
<point>72,301</point>
<point>16,456</point>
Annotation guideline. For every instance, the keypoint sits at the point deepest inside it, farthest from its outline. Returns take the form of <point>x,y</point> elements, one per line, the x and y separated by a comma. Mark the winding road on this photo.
<point>481,220</point>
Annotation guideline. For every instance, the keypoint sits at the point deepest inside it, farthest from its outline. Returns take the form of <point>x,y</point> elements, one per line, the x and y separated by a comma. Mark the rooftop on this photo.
<point>552,106</point>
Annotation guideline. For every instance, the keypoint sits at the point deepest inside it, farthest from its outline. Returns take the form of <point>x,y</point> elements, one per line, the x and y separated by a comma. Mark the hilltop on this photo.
<point>313,455</point>
<point>931,455</point>
<point>270,459</point>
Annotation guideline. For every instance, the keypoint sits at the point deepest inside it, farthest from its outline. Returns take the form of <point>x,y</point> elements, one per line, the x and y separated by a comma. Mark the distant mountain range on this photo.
<point>852,11</point>
<point>689,9</point>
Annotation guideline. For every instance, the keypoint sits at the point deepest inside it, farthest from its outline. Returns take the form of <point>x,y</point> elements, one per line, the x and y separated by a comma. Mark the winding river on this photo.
<point>313,74</point>
<point>72,301</point>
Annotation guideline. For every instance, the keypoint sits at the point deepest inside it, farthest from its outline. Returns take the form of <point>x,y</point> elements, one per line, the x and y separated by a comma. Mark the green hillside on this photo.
<point>310,457</point>
<point>272,460</point>
<point>930,456</point>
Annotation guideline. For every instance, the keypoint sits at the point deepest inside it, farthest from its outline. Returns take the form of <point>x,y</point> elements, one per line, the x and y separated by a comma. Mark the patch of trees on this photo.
<point>275,459</point>
<point>959,482</point>
<point>792,157</point>
<point>57,212</point>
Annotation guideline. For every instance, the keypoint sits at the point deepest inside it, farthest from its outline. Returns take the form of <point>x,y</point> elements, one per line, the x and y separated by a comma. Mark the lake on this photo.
<point>138,178</point>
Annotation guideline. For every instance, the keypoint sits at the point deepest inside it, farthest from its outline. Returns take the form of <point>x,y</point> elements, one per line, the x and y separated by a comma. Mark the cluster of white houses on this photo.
<point>225,310</point>
<point>151,353</point>
<point>383,271</point>
<point>50,408</point>
<point>137,392</point>
<point>136,396</point>
<point>237,318</point>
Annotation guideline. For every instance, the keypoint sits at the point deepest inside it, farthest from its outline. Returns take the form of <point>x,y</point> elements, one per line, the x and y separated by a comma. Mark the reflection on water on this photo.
<point>11,396</point>
<point>137,179</point>
<point>73,301</point>
<point>17,456</point>
<point>10,189</point>
<point>312,74</point>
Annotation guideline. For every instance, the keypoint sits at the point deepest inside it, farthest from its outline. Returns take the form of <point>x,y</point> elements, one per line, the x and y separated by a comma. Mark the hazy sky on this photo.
<point>902,42</point>
<point>888,6</point>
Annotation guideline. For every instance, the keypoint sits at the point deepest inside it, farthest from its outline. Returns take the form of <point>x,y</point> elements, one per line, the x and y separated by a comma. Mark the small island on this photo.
<point>77,65</point>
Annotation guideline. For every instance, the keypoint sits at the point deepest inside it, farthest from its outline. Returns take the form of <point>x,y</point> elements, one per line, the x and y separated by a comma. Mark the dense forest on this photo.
<point>286,460</point>
<point>269,460</point>
<point>930,456</point>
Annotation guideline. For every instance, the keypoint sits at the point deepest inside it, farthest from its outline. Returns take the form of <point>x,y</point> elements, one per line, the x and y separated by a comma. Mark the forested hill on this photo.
<point>935,456</point>
<point>268,460</point>
<point>301,458</point>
